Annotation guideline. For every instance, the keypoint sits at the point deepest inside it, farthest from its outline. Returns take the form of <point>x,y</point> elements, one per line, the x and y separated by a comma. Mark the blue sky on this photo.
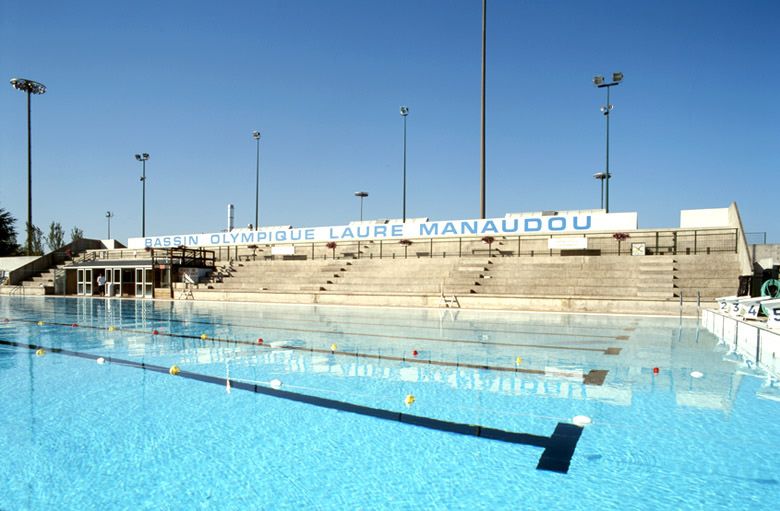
<point>695,124</point>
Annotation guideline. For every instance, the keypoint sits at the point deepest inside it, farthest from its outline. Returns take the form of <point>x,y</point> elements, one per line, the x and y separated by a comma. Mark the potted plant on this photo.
<point>332,245</point>
<point>620,237</point>
<point>489,240</point>
<point>405,244</point>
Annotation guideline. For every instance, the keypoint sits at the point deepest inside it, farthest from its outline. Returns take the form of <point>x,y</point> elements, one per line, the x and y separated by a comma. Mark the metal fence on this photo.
<point>651,242</point>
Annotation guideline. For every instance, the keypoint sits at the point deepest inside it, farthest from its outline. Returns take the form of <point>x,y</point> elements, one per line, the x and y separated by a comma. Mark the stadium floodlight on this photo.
<point>256,136</point>
<point>404,113</point>
<point>599,82</point>
<point>30,87</point>
<point>362,196</point>
<point>142,158</point>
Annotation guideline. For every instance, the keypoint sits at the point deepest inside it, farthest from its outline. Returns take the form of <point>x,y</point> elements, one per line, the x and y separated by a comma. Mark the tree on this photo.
<point>56,237</point>
<point>76,234</point>
<point>8,245</point>
<point>36,237</point>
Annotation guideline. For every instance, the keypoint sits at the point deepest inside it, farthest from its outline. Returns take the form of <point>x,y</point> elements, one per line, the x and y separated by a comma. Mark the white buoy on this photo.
<point>696,374</point>
<point>275,383</point>
<point>581,420</point>
<point>100,360</point>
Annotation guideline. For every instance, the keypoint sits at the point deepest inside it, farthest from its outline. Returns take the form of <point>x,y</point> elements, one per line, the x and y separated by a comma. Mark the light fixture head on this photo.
<point>109,214</point>
<point>617,77</point>
<point>26,85</point>
<point>404,111</point>
<point>256,135</point>
<point>142,156</point>
<point>361,194</point>
<point>138,157</point>
<point>598,80</point>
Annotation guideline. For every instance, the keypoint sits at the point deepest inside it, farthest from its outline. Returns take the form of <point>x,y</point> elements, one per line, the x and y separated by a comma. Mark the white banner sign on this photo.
<point>567,243</point>
<point>507,226</point>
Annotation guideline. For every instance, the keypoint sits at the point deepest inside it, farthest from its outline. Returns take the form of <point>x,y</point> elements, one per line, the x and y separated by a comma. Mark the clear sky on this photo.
<point>696,122</point>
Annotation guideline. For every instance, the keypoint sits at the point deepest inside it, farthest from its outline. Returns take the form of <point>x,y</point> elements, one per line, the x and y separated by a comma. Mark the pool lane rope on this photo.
<point>558,447</point>
<point>587,380</point>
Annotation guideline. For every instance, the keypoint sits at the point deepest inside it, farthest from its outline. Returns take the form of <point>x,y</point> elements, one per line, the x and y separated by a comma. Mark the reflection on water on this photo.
<point>554,349</point>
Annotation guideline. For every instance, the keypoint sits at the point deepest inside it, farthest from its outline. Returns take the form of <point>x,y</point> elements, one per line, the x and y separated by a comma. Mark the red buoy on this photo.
<point>74,325</point>
<point>260,340</point>
<point>155,332</point>
<point>655,370</point>
<point>415,353</point>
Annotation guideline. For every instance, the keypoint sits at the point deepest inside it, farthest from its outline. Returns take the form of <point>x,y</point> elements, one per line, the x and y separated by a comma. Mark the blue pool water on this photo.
<point>76,434</point>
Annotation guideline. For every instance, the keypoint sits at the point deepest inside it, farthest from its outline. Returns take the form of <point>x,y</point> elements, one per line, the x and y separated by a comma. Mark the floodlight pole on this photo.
<point>482,145</point>
<point>142,158</point>
<point>404,113</point>
<point>29,175</point>
<point>598,81</point>
<point>606,113</point>
<point>256,136</point>
<point>108,217</point>
<point>362,195</point>
<point>30,87</point>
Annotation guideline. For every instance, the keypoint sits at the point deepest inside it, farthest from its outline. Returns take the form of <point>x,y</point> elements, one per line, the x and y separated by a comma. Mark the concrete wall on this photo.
<point>766,255</point>
<point>8,264</point>
<point>743,251</point>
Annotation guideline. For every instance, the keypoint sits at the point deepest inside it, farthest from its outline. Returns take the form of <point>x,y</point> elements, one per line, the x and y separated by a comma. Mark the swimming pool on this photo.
<point>315,415</point>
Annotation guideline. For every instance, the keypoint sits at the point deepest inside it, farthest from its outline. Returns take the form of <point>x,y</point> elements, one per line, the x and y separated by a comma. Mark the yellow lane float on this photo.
<point>174,370</point>
<point>40,352</point>
<point>409,400</point>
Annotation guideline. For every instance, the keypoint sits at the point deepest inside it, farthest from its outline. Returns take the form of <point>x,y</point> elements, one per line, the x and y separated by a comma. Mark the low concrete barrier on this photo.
<point>752,340</point>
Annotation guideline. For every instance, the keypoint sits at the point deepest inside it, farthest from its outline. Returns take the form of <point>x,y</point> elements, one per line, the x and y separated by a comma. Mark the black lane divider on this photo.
<point>558,447</point>
<point>592,377</point>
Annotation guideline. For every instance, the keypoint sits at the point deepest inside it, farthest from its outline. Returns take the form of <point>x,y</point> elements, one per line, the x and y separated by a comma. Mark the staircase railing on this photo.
<point>45,262</point>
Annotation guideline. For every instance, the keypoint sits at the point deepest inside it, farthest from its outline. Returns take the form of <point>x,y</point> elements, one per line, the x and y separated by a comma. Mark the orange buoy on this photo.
<point>415,353</point>
<point>655,370</point>
<point>155,332</point>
